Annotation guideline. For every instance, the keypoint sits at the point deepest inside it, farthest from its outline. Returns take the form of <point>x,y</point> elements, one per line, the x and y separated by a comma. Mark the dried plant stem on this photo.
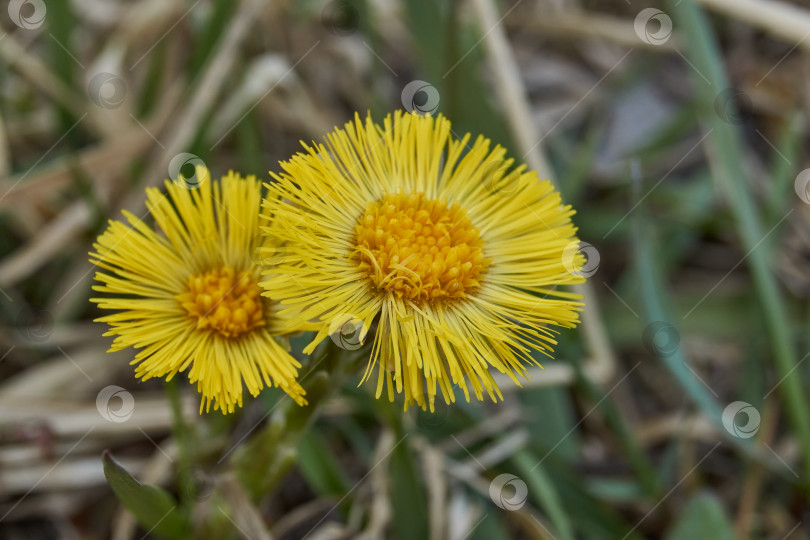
<point>204,97</point>
<point>37,72</point>
<point>42,247</point>
<point>576,23</point>
<point>786,21</point>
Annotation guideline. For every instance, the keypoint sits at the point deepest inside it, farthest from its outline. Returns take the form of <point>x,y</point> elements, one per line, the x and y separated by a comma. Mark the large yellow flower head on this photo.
<point>186,292</point>
<point>455,257</point>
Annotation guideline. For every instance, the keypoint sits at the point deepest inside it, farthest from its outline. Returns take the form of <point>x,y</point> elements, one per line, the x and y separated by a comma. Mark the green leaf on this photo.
<point>544,491</point>
<point>491,525</point>
<point>319,466</point>
<point>210,33</point>
<point>427,20</point>
<point>154,508</point>
<point>554,429</point>
<point>703,517</point>
<point>449,59</point>
<point>407,495</point>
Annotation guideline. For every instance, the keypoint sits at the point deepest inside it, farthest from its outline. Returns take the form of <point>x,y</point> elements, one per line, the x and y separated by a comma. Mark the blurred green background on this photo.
<point>677,410</point>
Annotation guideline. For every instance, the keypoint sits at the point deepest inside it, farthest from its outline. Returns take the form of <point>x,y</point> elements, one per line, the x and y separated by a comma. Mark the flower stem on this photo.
<point>182,434</point>
<point>264,460</point>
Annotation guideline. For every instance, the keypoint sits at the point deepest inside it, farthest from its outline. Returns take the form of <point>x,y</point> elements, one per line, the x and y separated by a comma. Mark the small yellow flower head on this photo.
<point>454,256</point>
<point>186,292</point>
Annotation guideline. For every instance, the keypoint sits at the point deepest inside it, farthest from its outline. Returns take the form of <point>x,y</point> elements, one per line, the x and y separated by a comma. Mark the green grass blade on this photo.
<point>541,487</point>
<point>726,159</point>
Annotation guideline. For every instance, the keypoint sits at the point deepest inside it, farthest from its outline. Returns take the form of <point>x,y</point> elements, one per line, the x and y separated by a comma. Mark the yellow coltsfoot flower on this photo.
<point>456,257</point>
<point>186,292</point>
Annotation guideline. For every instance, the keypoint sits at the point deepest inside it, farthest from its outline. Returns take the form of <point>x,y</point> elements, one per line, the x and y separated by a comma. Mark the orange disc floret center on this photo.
<point>223,300</point>
<point>420,249</point>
